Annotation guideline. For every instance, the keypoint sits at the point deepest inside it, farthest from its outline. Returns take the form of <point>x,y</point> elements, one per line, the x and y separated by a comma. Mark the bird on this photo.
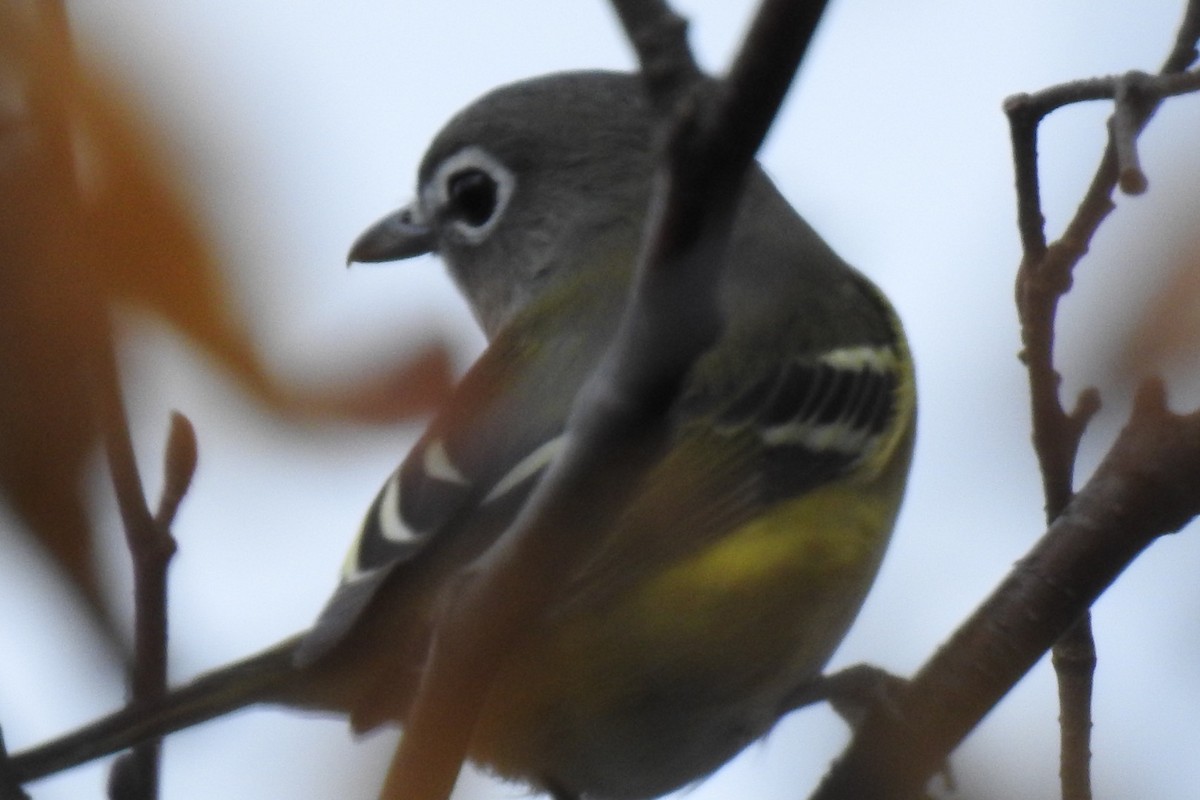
<point>737,563</point>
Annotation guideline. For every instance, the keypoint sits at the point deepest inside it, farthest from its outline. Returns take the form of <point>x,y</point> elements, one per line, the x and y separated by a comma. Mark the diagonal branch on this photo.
<point>619,417</point>
<point>1139,492</point>
<point>1144,488</point>
<point>659,37</point>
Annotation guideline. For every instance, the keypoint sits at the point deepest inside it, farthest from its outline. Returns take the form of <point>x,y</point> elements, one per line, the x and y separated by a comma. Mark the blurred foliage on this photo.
<point>1167,330</point>
<point>91,214</point>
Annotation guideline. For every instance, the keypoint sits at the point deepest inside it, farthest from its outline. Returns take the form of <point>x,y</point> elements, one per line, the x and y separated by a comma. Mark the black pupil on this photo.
<point>472,196</point>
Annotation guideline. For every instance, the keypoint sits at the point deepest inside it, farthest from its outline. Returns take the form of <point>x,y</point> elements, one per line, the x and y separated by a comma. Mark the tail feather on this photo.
<point>244,683</point>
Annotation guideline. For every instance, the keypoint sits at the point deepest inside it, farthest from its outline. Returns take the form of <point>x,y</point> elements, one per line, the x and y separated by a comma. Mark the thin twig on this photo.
<point>150,553</point>
<point>134,776</point>
<point>1123,126</point>
<point>1026,112</point>
<point>1044,276</point>
<point>659,37</point>
<point>1040,104</point>
<point>151,548</point>
<point>1074,661</point>
<point>205,697</point>
<point>1023,128</point>
<point>1137,494</point>
<point>1183,54</point>
<point>619,419</point>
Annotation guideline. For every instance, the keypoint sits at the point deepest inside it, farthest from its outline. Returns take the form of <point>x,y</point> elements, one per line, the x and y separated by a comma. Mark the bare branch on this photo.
<point>1044,276</point>
<point>1123,128</point>
<point>1094,535</point>
<point>134,776</point>
<point>659,37</point>
<point>619,418</point>
<point>1074,660</point>
<point>214,694</point>
<point>1183,54</point>
<point>1134,108</point>
<point>1144,488</point>
<point>150,550</point>
<point>1023,128</point>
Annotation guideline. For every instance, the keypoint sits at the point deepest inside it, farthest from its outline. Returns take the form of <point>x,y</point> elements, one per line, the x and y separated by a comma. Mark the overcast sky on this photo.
<point>300,122</point>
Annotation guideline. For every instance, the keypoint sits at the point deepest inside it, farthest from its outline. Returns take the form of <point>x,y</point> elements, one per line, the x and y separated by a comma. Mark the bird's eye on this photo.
<point>471,196</point>
<point>466,195</point>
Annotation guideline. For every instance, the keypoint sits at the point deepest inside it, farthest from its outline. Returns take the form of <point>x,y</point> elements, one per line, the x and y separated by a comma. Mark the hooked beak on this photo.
<point>401,234</point>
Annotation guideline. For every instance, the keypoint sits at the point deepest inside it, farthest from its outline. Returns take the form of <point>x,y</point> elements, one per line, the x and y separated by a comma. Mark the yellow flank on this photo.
<point>667,676</point>
<point>806,564</point>
<point>734,629</point>
<point>827,530</point>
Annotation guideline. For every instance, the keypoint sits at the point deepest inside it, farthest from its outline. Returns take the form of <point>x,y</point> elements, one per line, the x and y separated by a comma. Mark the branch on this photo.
<point>659,37</point>
<point>1144,488</point>
<point>151,548</point>
<point>619,417</point>
<point>134,776</point>
<point>1044,276</point>
<point>1183,54</point>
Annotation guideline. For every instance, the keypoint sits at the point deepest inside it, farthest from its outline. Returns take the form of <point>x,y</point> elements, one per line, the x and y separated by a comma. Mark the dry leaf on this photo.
<point>90,214</point>
<point>1168,332</point>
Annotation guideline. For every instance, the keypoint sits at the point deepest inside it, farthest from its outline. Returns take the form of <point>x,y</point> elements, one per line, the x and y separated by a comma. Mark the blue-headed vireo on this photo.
<point>741,560</point>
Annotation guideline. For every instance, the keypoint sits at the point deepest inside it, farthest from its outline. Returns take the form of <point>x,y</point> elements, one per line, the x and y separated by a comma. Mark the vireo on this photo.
<point>741,560</point>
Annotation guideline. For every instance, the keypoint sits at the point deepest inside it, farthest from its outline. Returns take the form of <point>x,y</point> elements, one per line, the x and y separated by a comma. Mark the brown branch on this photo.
<point>1044,276</point>
<point>1137,96</point>
<point>1074,661</point>
<point>1137,494</point>
<point>619,417</point>
<point>659,37</point>
<point>150,548</point>
<point>1129,104</point>
<point>1183,54</point>
<point>1144,488</point>
<point>134,776</point>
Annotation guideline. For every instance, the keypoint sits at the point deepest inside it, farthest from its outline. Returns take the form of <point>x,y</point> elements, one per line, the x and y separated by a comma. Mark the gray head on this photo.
<point>523,185</point>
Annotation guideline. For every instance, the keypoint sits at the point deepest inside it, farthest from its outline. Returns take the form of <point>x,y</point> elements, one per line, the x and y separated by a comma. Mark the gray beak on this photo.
<point>399,235</point>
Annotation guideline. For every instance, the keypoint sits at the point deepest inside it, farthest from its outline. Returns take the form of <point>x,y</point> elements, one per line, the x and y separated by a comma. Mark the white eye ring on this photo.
<point>437,190</point>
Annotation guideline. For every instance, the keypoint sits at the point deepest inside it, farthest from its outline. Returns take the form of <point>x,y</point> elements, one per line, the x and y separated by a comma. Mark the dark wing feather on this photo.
<point>804,423</point>
<point>467,475</point>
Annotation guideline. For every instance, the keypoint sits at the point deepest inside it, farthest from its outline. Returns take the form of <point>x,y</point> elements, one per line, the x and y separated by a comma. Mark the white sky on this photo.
<point>301,122</point>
